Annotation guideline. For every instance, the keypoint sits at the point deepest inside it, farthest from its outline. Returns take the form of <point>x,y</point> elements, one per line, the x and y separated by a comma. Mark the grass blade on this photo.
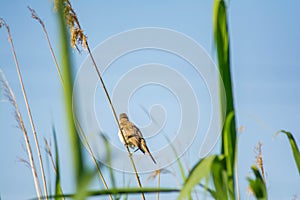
<point>58,188</point>
<point>294,147</point>
<point>229,150</point>
<point>200,171</point>
<point>68,86</point>
<point>35,16</point>
<point>115,191</point>
<point>221,37</point>
<point>47,164</point>
<point>220,178</point>
<point>257,185</point>
<point>78,38</point>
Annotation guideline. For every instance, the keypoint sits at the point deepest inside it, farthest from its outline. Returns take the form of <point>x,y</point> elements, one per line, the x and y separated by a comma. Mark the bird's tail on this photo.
<point>145,149</point>
<point>151,157</point>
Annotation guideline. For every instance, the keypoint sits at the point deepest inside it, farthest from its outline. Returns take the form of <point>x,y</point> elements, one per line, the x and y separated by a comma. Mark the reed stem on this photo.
<point>28,111</point>
<point>20,121</point>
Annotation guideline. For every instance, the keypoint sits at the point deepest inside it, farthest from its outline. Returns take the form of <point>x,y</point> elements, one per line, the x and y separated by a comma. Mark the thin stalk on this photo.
<point>78,37</point>
<point>28,110</point>
<point>158,184</point>
<point>116,119</point>
<point>93,156</point>
<point>48,150</point>
<point>236,169</point>
<point>13,100</point>
<point>237,181</point>
<point>35,16</point>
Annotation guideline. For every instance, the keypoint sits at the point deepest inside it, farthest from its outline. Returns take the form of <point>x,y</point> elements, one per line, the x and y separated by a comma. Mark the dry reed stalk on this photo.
<point>116,119</point>
<point>237,181</point>
<point>49,152</point>
<point>12,99</point>
<point>158,185</point>
<point>79,38</point>
<point>27,107</point>
<point>35,16</point>
<point>259,160</point>
<point>236,166</point>
<point>157,173</point>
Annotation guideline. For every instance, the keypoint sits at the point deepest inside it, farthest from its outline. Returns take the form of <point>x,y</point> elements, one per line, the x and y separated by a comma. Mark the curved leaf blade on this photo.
<point>258,185</point>
<point>294,147</point>
<point>220,178</point>
<point>200,171</point>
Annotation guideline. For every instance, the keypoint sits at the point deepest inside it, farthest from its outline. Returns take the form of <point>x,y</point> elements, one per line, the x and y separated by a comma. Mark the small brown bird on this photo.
<point>133,135</point>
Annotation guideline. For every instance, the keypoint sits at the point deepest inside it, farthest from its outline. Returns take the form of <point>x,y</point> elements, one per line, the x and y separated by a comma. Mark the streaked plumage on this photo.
<point>133,135</point>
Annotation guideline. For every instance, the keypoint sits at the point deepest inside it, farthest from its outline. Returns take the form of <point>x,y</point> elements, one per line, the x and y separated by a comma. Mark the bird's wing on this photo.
<point>132,131</point>
<point>138,132</point>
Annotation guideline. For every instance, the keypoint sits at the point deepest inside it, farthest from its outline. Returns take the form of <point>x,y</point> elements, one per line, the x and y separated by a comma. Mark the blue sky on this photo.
<point>265,68</point>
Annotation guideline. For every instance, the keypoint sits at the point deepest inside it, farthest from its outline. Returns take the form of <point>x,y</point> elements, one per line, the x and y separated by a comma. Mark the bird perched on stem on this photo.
<point>132,135</point>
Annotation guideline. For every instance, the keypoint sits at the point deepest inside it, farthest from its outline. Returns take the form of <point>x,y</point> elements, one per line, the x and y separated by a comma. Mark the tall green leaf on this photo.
<point>229,150</point>
<point>68,83</point>
<point>221,37</point>
<point>220,178</point>
<point>258,185</point>
<point>294,147</point>
<point>200,171</point>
